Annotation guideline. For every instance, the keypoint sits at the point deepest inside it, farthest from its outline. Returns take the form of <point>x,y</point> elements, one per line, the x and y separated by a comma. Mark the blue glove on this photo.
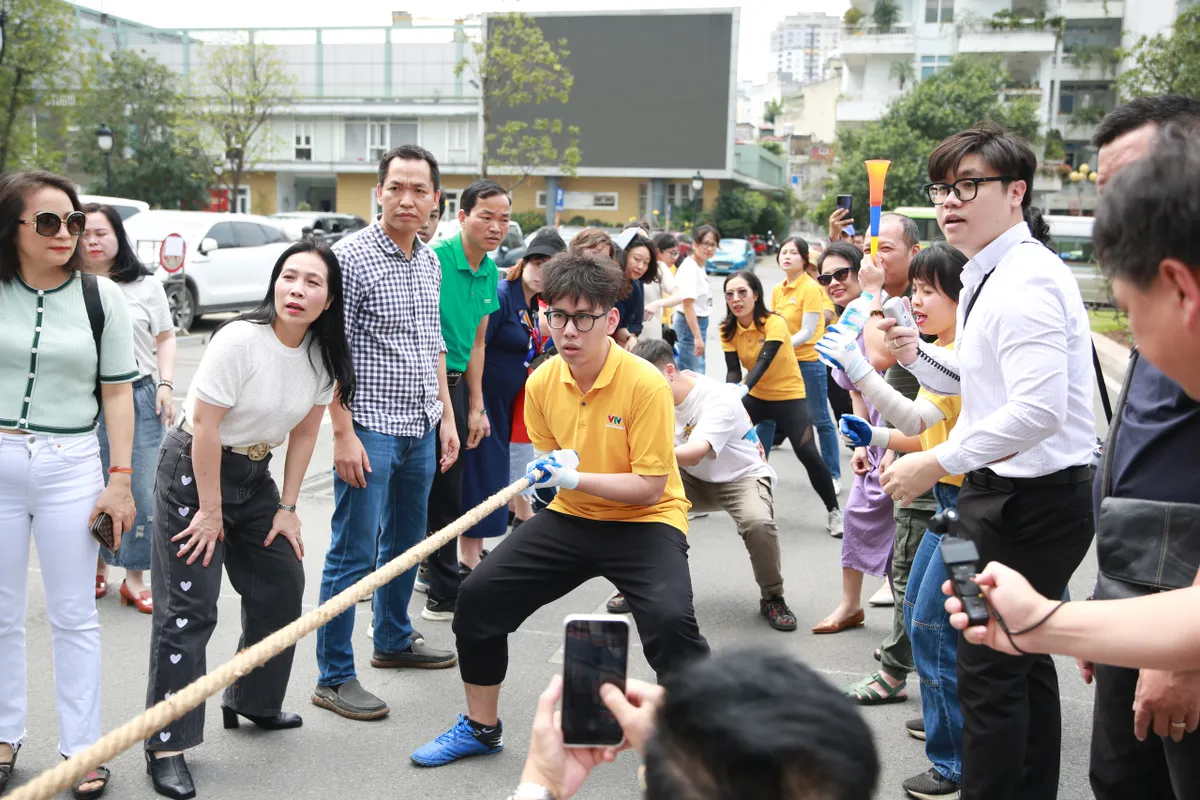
<point>840,349</point>
<point>857,432</point>
<point>557,468</point>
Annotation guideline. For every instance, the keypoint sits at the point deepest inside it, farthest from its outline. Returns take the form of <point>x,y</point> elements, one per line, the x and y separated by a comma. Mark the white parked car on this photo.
<point>227,266</point>
<point>123,205</point>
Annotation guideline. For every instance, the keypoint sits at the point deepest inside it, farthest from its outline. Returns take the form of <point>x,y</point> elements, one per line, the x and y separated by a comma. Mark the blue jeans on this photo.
<point>371,526</point>
<point>935,648</point>
<point>817,393</point>
<point>134,552</point>
<point>686,343</point>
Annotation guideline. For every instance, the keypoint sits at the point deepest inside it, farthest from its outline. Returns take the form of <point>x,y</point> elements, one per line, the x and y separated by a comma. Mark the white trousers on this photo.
<point>48,487</point>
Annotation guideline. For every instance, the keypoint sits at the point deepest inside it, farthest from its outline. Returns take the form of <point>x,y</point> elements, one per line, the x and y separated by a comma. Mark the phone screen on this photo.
<point>596,653</point>
<point>846,201</point>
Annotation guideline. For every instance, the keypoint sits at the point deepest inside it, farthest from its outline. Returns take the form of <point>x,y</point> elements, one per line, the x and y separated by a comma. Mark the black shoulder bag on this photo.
<point>95,314</point>
<point>1143,546</point>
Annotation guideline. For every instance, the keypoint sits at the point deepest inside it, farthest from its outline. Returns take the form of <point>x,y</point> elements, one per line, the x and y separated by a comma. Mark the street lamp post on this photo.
<point>697,194</point>
<point>104,140</point>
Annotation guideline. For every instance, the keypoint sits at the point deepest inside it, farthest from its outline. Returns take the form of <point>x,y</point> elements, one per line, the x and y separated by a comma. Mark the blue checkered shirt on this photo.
<point>393,323</point>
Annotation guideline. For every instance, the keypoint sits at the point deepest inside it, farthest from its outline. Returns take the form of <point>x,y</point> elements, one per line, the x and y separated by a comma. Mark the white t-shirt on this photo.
<point>150,314</point>
<point>713,412</point>
<point>692,283</point>
<point>267,387</point>
<point>655,290</point>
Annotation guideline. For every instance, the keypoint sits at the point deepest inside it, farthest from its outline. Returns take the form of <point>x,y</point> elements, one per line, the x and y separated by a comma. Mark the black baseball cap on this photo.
<point>546,242</point>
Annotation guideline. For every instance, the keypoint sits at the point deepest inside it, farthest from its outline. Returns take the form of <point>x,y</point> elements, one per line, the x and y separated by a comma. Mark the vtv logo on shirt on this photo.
<point>615,422</point>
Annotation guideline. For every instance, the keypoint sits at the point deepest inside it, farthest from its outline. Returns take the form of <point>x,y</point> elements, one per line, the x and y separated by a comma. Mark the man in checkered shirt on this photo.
<point>384,446</point>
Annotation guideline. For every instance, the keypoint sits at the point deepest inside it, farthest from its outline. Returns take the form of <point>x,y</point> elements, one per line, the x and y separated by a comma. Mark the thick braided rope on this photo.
<point>158,716</point>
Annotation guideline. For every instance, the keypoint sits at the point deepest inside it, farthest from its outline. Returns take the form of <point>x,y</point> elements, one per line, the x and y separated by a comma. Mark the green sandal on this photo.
<point>865,695</point>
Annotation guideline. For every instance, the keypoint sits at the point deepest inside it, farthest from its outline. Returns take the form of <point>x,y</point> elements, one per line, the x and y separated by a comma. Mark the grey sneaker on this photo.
<point>350,700</point>
<point>916,728</point>
<point>418,656</point>
<point>931,786</point>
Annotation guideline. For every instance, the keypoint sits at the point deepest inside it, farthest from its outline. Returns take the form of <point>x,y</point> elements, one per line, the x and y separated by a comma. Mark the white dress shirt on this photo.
<point>1022,364</point>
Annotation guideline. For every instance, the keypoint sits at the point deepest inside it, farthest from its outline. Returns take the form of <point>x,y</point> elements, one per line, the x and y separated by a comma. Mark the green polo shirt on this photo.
<point>467,297</point>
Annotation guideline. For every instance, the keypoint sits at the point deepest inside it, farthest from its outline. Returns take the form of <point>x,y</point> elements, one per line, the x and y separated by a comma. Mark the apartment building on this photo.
<point>362,91</point>
<point>1072,78</point>
<point>804,45</point>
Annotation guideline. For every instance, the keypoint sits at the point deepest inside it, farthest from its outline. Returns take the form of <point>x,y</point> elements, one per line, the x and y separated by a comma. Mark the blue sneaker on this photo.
<point>460,741</point>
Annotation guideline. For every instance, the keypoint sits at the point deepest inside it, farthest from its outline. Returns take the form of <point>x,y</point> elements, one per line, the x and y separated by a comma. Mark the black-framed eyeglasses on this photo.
<point>839,275</point>
<point>964,189</point>
<point>47,223</point>
<point>584,322</point>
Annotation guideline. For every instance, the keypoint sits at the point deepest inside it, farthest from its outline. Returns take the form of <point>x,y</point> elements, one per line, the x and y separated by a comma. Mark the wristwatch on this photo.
<point>288,507</point>
<point>532,791</point>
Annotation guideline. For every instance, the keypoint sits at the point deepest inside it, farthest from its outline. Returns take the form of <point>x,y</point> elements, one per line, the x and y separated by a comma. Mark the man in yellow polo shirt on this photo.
<point>621,515</point>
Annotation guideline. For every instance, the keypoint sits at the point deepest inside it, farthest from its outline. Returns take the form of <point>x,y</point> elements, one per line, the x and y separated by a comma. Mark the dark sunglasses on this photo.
<point>839,274</point>
<point>47,223</point>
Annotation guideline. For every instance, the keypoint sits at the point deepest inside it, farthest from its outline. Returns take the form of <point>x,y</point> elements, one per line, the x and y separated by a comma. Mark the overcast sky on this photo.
<point>758,17</point>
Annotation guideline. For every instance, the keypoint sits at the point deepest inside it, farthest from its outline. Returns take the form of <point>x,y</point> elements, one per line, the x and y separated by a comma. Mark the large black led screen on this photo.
<point>652,90</point>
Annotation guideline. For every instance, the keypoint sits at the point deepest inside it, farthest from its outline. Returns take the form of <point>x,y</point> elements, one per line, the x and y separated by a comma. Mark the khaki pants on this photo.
<point>750,503</point>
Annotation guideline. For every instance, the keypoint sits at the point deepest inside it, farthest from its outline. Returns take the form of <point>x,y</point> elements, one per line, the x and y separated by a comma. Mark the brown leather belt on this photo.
<point>255,452</point>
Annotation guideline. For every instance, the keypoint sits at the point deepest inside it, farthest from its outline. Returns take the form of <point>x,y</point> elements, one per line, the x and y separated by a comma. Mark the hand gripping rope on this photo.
<point>158,716</point>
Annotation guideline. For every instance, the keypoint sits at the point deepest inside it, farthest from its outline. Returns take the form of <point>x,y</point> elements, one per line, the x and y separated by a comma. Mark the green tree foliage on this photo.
<point>1166,64</point>
<point>771,109</point>
<point>738,211</point>
<point>530,221</point>
<point>941,105</point>
<point>38,80</point>
<point>138,98</point>
<point>242,87</point>
<point>885,13</point>
<point>514,65</point>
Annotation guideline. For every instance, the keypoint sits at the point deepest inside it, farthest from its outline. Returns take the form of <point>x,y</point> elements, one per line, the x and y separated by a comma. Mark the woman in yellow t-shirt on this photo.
<point>800,300</point>
<point>923,424</point>
<point>754,338</point>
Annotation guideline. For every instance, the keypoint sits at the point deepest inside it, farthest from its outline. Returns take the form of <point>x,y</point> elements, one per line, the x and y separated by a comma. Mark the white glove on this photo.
<point>841,348</point>
<point>742,390</point>
<point>557,468</point>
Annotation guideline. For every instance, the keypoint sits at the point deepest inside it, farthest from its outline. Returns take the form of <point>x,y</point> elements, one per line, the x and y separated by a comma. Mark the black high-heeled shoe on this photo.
<point>278,722</point>
<point>170,776</point>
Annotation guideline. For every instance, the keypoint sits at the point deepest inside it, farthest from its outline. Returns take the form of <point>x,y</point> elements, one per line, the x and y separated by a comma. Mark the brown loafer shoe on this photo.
<point>830,626</point>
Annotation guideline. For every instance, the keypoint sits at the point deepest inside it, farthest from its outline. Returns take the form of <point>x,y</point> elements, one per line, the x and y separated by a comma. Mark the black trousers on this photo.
<point>445,501</point>
<point>839,398</point>
<point>270,581</point>
<point>552,554</point>
<point>1122,767</point>
<point>1012,719</point>
<point>791,417</point>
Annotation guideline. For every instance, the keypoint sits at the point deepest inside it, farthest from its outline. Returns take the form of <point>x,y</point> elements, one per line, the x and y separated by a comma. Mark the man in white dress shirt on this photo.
<point>1025,439</point>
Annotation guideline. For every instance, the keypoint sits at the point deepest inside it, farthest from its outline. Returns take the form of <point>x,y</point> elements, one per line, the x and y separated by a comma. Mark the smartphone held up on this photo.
<point>596,652</point>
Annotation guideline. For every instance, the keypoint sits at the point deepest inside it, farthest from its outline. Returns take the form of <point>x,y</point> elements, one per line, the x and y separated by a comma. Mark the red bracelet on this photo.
<point>120,470</point>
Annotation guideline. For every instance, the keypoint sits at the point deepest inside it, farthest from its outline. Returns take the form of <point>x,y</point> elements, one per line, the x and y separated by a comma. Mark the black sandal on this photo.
<point>99,774</point>
<point>6,768</point>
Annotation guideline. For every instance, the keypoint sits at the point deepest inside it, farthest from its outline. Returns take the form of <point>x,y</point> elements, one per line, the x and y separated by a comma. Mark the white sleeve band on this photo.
<point>909,416</point>
<point>808,326</point>
<point>881,437</point>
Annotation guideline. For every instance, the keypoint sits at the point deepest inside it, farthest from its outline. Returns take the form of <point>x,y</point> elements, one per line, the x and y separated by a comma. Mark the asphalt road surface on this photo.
<point>332,756</point>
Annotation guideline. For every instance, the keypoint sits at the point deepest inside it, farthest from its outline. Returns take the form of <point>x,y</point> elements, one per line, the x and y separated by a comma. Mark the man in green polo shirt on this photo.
<point>469,283</point>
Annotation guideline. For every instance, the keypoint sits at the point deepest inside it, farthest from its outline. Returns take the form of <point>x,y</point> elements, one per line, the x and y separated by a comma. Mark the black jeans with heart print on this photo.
<point>270,581</point>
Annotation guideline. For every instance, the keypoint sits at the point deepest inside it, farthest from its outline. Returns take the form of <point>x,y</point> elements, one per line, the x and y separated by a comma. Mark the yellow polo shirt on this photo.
<point>792,301</point>
<point>782,379</point>
<point>625,423</point>
<point>951,407</point>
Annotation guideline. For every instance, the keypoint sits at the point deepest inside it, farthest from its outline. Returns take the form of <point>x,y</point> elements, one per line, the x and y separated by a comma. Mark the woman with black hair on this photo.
<point>106,251</point>
<point>639,262</point>
<point>66,349</point>
<point>266,376</point>
<point>753,337</point>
